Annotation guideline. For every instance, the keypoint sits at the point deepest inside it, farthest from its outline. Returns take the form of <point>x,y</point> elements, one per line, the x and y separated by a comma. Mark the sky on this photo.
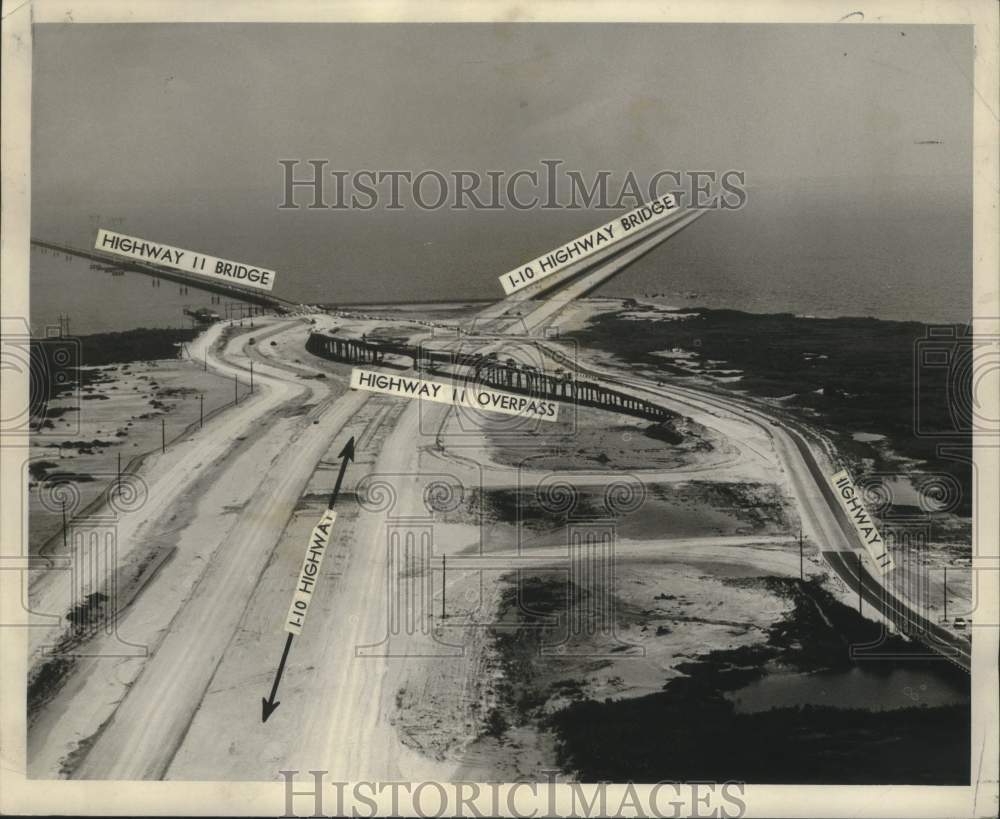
<point>178,129</point>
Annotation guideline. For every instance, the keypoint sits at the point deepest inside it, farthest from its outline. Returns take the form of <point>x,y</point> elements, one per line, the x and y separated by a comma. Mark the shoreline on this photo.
<point>456,305</point>
<point>853,377</point>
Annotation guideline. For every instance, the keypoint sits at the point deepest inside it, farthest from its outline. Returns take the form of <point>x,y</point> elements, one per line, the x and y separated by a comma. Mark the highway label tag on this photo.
<point>185,260</point>
<point>465,396</point>
<point>318,541</point>
<point>583,246</point>
<point>862,521</point>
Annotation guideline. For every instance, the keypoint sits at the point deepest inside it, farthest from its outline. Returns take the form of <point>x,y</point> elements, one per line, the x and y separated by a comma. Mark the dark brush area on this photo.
<point>690,731</point>
<point>56,362</point>
<point>848,374</point>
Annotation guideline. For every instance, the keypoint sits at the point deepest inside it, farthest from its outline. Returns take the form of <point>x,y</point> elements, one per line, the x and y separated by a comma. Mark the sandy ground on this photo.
<point>241,748</point>
<point>199,499</point>
<point>120,415</point>
<point>670,606</point>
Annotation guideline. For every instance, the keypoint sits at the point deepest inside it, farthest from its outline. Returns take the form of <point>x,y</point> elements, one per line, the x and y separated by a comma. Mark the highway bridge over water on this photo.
<point>246,294</point>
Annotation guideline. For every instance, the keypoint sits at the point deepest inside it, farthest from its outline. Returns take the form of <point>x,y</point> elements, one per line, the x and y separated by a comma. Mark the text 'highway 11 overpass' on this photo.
<point>488,371</point>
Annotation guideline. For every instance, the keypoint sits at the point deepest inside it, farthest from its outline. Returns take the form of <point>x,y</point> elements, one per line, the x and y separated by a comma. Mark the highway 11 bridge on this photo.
<point>248,294</point>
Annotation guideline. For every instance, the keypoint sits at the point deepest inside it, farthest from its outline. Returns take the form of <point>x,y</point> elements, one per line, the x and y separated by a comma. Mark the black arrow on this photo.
<point>267,706</point>
<point>346,454</point>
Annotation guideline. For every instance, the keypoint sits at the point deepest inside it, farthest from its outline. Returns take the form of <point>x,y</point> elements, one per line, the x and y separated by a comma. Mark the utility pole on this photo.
<point>236,389</point>
<point>860,583</point>
<point>201,411</point>
<point>802,575</point>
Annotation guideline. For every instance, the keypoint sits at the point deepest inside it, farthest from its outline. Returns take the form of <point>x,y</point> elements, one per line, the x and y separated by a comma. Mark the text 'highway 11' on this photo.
<point>862,522</point>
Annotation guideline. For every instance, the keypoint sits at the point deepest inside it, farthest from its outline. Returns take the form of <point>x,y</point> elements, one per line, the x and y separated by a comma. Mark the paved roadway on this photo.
<point>953,648</point>
<point>149,724</point>
<point>526,311</point>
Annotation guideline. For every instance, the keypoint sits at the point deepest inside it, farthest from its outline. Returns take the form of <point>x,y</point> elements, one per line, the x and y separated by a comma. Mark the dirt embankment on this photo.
<point>121,411</point>
<point>594,439</point>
